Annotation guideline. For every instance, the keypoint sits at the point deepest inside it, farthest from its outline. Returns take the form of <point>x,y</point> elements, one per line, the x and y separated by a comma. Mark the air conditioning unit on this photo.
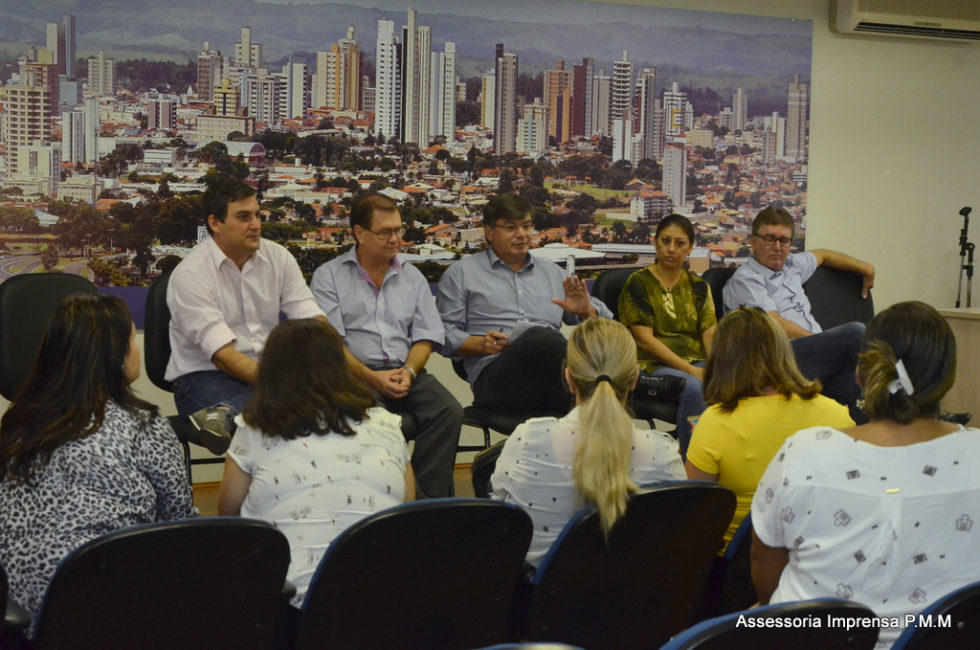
<point>957,20</point>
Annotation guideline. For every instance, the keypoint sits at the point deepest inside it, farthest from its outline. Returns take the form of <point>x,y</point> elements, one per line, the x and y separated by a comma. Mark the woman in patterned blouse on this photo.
<point>884,513</point>
<point>80,454</point>
<point>314,454</point>
<point>671,315</point>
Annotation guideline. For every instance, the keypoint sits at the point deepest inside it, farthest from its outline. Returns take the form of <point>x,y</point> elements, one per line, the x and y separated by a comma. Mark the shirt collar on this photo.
<point>762,269</point>
<point>350,257</point>
<point>496,261</point>
<point>218,257</point>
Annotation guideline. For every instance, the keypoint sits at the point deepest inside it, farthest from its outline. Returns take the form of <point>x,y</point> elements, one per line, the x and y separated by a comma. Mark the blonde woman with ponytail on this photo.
<point>596,454</point>
<point>886,514</point>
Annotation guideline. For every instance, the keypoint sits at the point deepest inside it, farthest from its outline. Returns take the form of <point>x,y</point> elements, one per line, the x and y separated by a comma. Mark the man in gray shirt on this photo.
<point>502,315</point>
<point>773,281</point>
<point>387,316</point>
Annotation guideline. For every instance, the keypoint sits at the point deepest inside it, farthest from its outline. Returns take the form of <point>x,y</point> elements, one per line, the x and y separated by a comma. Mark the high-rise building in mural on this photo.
<point>675,174</point>
<point>505,108</point>
<point>621,99</point>
<point>796,110</point>
<point>443,93</point>
<point>416,80</point>
<point>387,84</point>
<point>30,104</point>
<point>101,76</point>
<point>247,53</point>
<point>582,74</point>
<point>740,109</point>
<point>209,72</point>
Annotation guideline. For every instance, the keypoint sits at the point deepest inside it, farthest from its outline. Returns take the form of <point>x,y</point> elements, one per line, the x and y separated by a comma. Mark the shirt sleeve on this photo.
<point>706,312</point>
<point>242,448</point>
<point>807,263</point>
<point>324,288</point>
<point>451,303</point>
<point>161,460</point>
<point>426,324</point>
<point>195,312</point>
<point>296,300</point>
<point>747,289</point>
<point>769,508</point>
<point>707,442</point>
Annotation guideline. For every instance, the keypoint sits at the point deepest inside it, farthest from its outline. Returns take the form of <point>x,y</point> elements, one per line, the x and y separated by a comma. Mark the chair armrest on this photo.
<point>16,618</point>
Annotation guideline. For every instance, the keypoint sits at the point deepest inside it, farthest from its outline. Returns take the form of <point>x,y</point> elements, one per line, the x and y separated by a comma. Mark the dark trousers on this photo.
<point>432,417</point>
<point>831,357</point>
<point>527,376</point>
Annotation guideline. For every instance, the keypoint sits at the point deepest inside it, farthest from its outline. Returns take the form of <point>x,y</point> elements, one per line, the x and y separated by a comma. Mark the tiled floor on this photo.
<point>206,494</point>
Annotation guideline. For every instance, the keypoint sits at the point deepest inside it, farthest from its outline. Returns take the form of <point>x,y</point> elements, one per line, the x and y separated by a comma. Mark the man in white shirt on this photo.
<point>224,299</point>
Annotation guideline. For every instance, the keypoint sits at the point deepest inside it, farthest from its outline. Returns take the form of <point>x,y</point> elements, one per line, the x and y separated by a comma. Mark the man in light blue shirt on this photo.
<point>502,315</point>
<point>773,281</point>
<point>388,318</point>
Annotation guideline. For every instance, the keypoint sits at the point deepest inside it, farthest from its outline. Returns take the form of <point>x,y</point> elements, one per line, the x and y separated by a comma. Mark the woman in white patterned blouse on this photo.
<point>883,513</point>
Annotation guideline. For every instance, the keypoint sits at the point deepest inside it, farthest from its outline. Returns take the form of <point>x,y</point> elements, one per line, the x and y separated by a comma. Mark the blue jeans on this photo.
<point>208,388</point>
<point>831,357</point>
<point>691,402</point>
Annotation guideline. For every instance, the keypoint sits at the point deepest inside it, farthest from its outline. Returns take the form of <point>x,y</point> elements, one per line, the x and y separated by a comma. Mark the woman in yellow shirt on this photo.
<point>756,399</point>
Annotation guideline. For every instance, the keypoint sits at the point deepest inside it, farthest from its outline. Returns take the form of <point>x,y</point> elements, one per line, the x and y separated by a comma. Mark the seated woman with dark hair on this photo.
<point>315,455</point>
<point>882,514</point>
<point>757,398</point>
<point>671,315</point>
<point>596,454</point>
<point>80,455</point>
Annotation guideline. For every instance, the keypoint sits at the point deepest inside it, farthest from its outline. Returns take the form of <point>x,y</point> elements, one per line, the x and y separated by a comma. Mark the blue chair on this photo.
<point>954,620</point>
<point>214,582</point>
<point>642,585</point>
<point>748,628</point>
<point>730,587</point>
<point>438,573</point>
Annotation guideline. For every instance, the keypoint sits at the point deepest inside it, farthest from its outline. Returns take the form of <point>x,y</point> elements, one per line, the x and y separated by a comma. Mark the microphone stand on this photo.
<point>966,259</point>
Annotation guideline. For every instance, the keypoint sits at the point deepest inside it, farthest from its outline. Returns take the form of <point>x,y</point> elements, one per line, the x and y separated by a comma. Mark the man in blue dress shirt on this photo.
<point>388,318</point>
<point>773,281</point>
<point>502,314</point>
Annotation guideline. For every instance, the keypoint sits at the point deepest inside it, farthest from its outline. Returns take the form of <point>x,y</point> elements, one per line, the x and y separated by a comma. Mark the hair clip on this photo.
<point>903,382</point>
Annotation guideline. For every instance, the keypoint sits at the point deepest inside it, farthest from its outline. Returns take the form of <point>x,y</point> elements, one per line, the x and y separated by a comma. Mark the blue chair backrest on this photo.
<point>950,623</point>
<point>820,624</point>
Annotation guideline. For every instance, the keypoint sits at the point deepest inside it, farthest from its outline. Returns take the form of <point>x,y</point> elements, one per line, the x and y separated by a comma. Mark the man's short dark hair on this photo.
<point>773,216</point>
<point>505,206</point>
<point>221,190</point>
<point>362,212</point>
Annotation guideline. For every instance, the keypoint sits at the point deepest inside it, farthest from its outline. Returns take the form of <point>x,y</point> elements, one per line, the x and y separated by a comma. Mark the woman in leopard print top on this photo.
<point>80,454</point>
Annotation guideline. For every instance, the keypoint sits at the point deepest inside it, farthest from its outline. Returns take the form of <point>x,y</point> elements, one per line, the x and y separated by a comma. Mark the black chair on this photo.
<point>430,574</point>
<point>156,356</point>
<point>609,284</point>
<point>26,303</point>
<point>607,287</point>
<point>748,629</point>
<point>197,583</point>
<point>482,469</point>
<point>835,297</point>
<point>16,618</point>
<point>730,587</point>
<point>716,277</point>
<point>642,585</point>
<point>951,623</point>
<point>486,419</point>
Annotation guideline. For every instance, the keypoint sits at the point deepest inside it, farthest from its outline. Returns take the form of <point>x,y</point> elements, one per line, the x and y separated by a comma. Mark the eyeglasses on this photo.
<point>388,233</point>
<point>512,228</point>
<point>772,240</point>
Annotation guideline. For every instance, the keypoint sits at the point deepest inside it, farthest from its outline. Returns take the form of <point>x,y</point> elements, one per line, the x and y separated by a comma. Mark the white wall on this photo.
<point>895,149</point>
